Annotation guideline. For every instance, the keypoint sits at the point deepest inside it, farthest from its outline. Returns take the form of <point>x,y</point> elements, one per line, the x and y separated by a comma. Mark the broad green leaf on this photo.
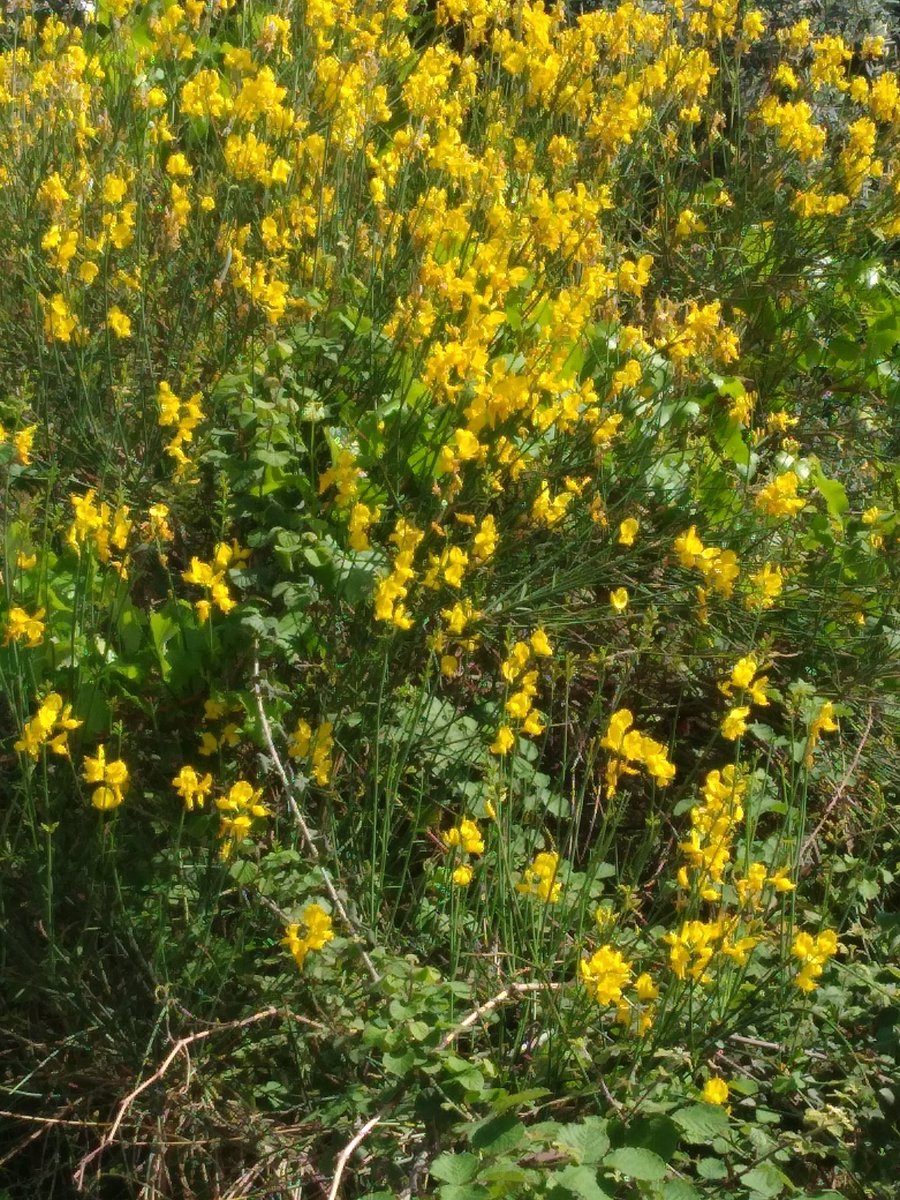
<point>463,1191</point>
<point>711,1168</point>
<point>677,1189</point>
<point>577,1181</point>
<point>455,1168</point>
<point>656,1133</point>
<point>833,492</point>
<point>518,1099</point>
<point>765,1180</point>
<point>498,1135</point>
<point>700,1123</point>
<point>637,1162</point>
<point>586,1143</point>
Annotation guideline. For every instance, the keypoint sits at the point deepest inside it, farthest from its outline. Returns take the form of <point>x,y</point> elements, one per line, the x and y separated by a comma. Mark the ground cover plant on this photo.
<point>450,644</point>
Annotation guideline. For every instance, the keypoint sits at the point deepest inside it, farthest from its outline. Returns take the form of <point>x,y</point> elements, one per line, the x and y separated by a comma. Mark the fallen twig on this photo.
<point>180,1046</point>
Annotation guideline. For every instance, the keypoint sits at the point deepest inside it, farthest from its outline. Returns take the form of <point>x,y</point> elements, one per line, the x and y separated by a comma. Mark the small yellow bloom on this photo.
<point>540,644</point>
<point>26,627</point>
<point>504,741</point>
<point>734,725</point>
<point>619,599</point>
<point>462,876</point>
<point>178,166</point>
<point>316,926</point>
<point>118,322</point>
<point>467,835</point>
<point>113,777</point>
<point>628,531</point>
<point>715,1090</point>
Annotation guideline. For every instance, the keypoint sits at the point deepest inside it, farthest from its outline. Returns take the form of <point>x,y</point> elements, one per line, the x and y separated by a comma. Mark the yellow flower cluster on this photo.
<point>468,838</point>
<point>813,953</point>
<point>628,747</point>
<point>111,776</point>
<point>714,823</point>
<point>22,626</point>
<point>344,476</point>
<point>50,726</point>
<point>519,705</point>
<point>105,528</point>
<point>540,878</point>
<point>317,932</point>
<point>212,577</point>
<point>391,590</point>
<point>239,808</point>
<point>720,568</point>
<point>693,946</point>
<point>181,415</point>
<point>743,679</point>
<point>779,497</point>
<point>316,746</point>
<point>23,441</point>
<point>192,788</point>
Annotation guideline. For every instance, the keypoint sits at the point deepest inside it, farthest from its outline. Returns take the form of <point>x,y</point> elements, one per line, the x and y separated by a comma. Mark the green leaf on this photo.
<point>700,1123</point>
<point>657,1133</point>
<point>463,1191</point>
<point>711,1168</point>
<point>454,1168</point>
<point>833,492</point>
<point>678,1189</point>
<point>765,1180</point>
<point>637,1162</point>
<point>577,1181</point>
<point>518,1099</point>
<point>497,1135</point>
<point>586,1143</point>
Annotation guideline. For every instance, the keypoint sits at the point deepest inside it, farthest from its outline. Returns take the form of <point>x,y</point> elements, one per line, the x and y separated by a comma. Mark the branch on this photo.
<point>110,1136</point>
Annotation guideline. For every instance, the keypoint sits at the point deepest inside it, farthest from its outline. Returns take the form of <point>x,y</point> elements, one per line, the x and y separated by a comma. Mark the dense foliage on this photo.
<point>450,562</point>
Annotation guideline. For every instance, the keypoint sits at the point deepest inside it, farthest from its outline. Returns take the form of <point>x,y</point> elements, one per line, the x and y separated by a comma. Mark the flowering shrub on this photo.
<point>470,429</point>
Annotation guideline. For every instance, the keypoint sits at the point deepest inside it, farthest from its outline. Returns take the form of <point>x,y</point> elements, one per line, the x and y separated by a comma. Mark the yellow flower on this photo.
<point>462,876</point>
<point>118,322</point>
<point>715,1091</point>
<point>504,741</point>
<point>619,599</point>
<point>178,166</point>
<point>605,974</point>
<point>467,835</point>
<point>734,725</point>
<point>822,722</point>
<point>540,878</point>
<point>316,926</point>
<point>191,787</point>
<point>23,441</point>
<point>24,626</point>
<point>628,531</point>
<point>112,776</point>
<point>540,644</point>
<point>645,987</point>
<point>105,798</point>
